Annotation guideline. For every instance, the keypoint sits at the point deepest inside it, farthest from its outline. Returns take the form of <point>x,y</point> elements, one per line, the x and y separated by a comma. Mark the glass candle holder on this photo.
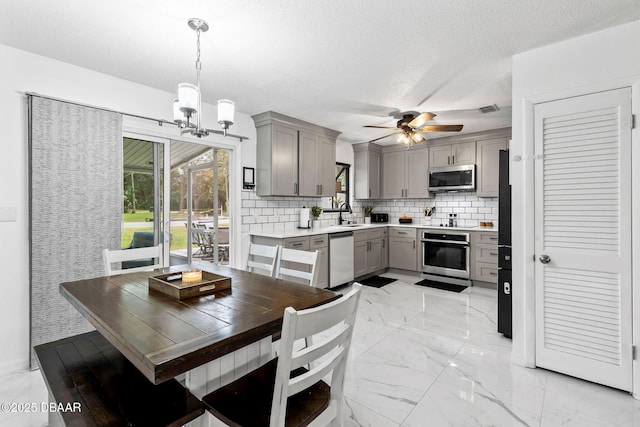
<point>191,276</point>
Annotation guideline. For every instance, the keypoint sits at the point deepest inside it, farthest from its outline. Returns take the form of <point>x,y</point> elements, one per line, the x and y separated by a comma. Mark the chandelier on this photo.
<point>187,109</point>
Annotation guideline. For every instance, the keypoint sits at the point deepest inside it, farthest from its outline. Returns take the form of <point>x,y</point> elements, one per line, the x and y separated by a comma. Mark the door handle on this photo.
<point>453,160</point>
<point>545,259</point>
<point>507,288</point>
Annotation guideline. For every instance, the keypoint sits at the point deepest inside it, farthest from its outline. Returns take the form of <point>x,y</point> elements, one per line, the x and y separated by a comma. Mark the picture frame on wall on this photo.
<point>248,178</point>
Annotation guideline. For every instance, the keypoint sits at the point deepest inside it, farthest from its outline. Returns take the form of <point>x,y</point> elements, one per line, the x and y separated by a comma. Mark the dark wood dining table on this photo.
<point>165,337</point>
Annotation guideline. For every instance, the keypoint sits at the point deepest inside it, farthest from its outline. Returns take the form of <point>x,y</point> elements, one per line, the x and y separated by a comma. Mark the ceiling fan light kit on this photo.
<point>188,106</point>
<point>410,128</point>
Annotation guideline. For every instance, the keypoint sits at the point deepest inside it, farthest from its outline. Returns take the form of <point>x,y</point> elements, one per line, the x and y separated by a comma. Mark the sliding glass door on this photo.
<point>143,165</point>
<point>194,223</point>
<point>199,203</point>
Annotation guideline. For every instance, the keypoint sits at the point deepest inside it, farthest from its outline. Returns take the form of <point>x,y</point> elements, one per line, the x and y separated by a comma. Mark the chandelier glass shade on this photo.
<point>410,137</point>
<point>187,108</point>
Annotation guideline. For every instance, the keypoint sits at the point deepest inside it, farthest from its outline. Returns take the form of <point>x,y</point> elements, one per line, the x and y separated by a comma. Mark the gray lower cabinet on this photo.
<point>369,251</point>
<point>484,256</point>
<point>319,242</point>
<point>403,248</point>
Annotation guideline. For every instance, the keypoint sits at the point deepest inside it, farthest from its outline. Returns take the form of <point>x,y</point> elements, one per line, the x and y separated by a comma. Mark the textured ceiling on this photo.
<point>337,63</point>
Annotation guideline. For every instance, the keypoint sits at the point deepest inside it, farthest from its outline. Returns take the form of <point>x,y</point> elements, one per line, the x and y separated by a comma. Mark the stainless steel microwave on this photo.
<point>453,178</point>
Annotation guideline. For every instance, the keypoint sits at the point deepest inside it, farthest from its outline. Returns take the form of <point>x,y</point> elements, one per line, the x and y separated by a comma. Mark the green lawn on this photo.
<point>178,234</point>
<point>139,216</point>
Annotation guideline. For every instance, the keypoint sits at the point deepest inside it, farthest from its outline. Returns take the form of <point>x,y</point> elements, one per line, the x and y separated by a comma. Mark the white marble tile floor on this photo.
<point>426,357</point>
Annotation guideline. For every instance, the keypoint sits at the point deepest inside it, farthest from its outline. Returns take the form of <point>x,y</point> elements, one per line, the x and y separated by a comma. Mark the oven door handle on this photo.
<point>446,241</point>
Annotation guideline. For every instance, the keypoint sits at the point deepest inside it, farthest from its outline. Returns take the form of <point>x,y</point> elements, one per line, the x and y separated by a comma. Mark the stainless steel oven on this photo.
<point>446,253</point>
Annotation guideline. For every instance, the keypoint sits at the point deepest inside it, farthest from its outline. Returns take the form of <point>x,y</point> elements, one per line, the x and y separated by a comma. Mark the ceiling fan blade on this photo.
<point>383,137</point>
<point>441,128</point>
<point>380,127</point>
<point>421,120</point>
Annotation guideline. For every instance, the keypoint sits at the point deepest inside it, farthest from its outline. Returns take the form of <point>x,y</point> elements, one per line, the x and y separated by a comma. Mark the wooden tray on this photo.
<point>209,284</point>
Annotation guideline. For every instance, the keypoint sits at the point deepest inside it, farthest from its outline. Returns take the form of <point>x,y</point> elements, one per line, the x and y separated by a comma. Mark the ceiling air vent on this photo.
<point>489,109</point>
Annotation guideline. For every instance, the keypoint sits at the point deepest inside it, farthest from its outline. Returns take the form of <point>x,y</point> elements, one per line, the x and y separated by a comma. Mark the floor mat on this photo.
<point>376,281</point>
<point>441,285</point>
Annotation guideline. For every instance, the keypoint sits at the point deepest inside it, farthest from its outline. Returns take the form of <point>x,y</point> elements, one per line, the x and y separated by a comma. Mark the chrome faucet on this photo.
<point>346,205</point>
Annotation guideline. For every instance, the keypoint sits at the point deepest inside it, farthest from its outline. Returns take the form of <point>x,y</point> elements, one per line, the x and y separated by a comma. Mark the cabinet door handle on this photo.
<point>493,254</point>
<point>493,273</point>
<point>369,192</point>
<point>448,160</point>
<point>319,241</point>
<point>493,238</point>
<point>295,188</point>
<point>296,245</point>
<point>414,244</point>
<point>320,189</point>
<point>383,244</point>
<point>453,160</point>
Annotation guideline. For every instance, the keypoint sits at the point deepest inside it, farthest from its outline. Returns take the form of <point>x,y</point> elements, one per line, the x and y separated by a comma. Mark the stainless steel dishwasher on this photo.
<point>340,258</point>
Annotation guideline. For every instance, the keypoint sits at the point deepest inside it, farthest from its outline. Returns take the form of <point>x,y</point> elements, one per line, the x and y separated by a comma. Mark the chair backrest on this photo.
<point>335,322</point>
<point>262,259</point>
<point>153,253</point>
<point>302,259</point>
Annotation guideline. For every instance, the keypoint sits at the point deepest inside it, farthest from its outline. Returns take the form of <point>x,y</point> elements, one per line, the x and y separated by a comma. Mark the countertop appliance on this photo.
<point>446,254</point>
<point>379,217</point>
<point>453,178</point>
<point>340,258</point>
<point>504,247</point>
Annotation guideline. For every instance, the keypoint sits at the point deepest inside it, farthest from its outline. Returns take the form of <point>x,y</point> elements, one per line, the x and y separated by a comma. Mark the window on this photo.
<point>332,204</point>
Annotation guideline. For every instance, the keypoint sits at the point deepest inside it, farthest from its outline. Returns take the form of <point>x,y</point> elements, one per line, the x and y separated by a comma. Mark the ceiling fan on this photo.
<point>410,127</point>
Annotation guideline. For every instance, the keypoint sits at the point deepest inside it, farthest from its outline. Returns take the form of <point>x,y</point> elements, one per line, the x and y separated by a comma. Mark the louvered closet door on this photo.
<point>583,226</point>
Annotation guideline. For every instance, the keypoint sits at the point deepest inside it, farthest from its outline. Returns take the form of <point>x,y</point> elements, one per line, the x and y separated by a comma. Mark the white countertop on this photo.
<point>284,234</point>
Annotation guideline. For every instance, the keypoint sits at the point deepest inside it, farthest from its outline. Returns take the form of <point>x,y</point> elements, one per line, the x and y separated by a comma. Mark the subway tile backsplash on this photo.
<point>281,213</point>
<point>470,208</point>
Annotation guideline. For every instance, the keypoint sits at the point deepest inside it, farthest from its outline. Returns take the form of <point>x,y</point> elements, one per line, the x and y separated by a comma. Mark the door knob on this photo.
<point>545,259</point>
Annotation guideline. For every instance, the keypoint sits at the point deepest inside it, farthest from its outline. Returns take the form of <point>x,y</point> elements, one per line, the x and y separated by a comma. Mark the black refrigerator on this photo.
<point>504,247</point>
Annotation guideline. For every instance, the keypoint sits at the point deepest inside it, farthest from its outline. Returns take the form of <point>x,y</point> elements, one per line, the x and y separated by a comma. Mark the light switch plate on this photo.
<point>7,214</point>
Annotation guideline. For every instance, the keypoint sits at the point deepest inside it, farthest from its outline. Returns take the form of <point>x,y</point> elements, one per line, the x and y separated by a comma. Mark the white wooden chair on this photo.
<point>282,391</point>
<point>304,259</point>
<point>111,257</point>
<point>262,259</point>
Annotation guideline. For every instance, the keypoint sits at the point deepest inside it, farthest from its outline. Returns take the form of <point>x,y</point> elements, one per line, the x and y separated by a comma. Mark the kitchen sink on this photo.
<point>352,225</point>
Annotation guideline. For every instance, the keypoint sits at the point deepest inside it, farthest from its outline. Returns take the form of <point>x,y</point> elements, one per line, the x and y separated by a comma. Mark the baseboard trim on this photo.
<point>14,366</point>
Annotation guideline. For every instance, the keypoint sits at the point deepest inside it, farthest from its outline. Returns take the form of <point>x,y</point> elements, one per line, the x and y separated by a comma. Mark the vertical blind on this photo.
<point>75,207</point>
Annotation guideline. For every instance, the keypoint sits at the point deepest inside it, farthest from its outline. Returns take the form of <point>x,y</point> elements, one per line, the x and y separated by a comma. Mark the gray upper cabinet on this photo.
<point>293,157</point>
<point>393,179</point>
<point>367,163</point>
<point>487,161</point>
<point>405,173</point>
<point>462,153</point>
<point>315,152</point>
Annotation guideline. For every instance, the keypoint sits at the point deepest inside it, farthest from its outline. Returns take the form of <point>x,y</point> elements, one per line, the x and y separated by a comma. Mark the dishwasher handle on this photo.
<point>340,234</point>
